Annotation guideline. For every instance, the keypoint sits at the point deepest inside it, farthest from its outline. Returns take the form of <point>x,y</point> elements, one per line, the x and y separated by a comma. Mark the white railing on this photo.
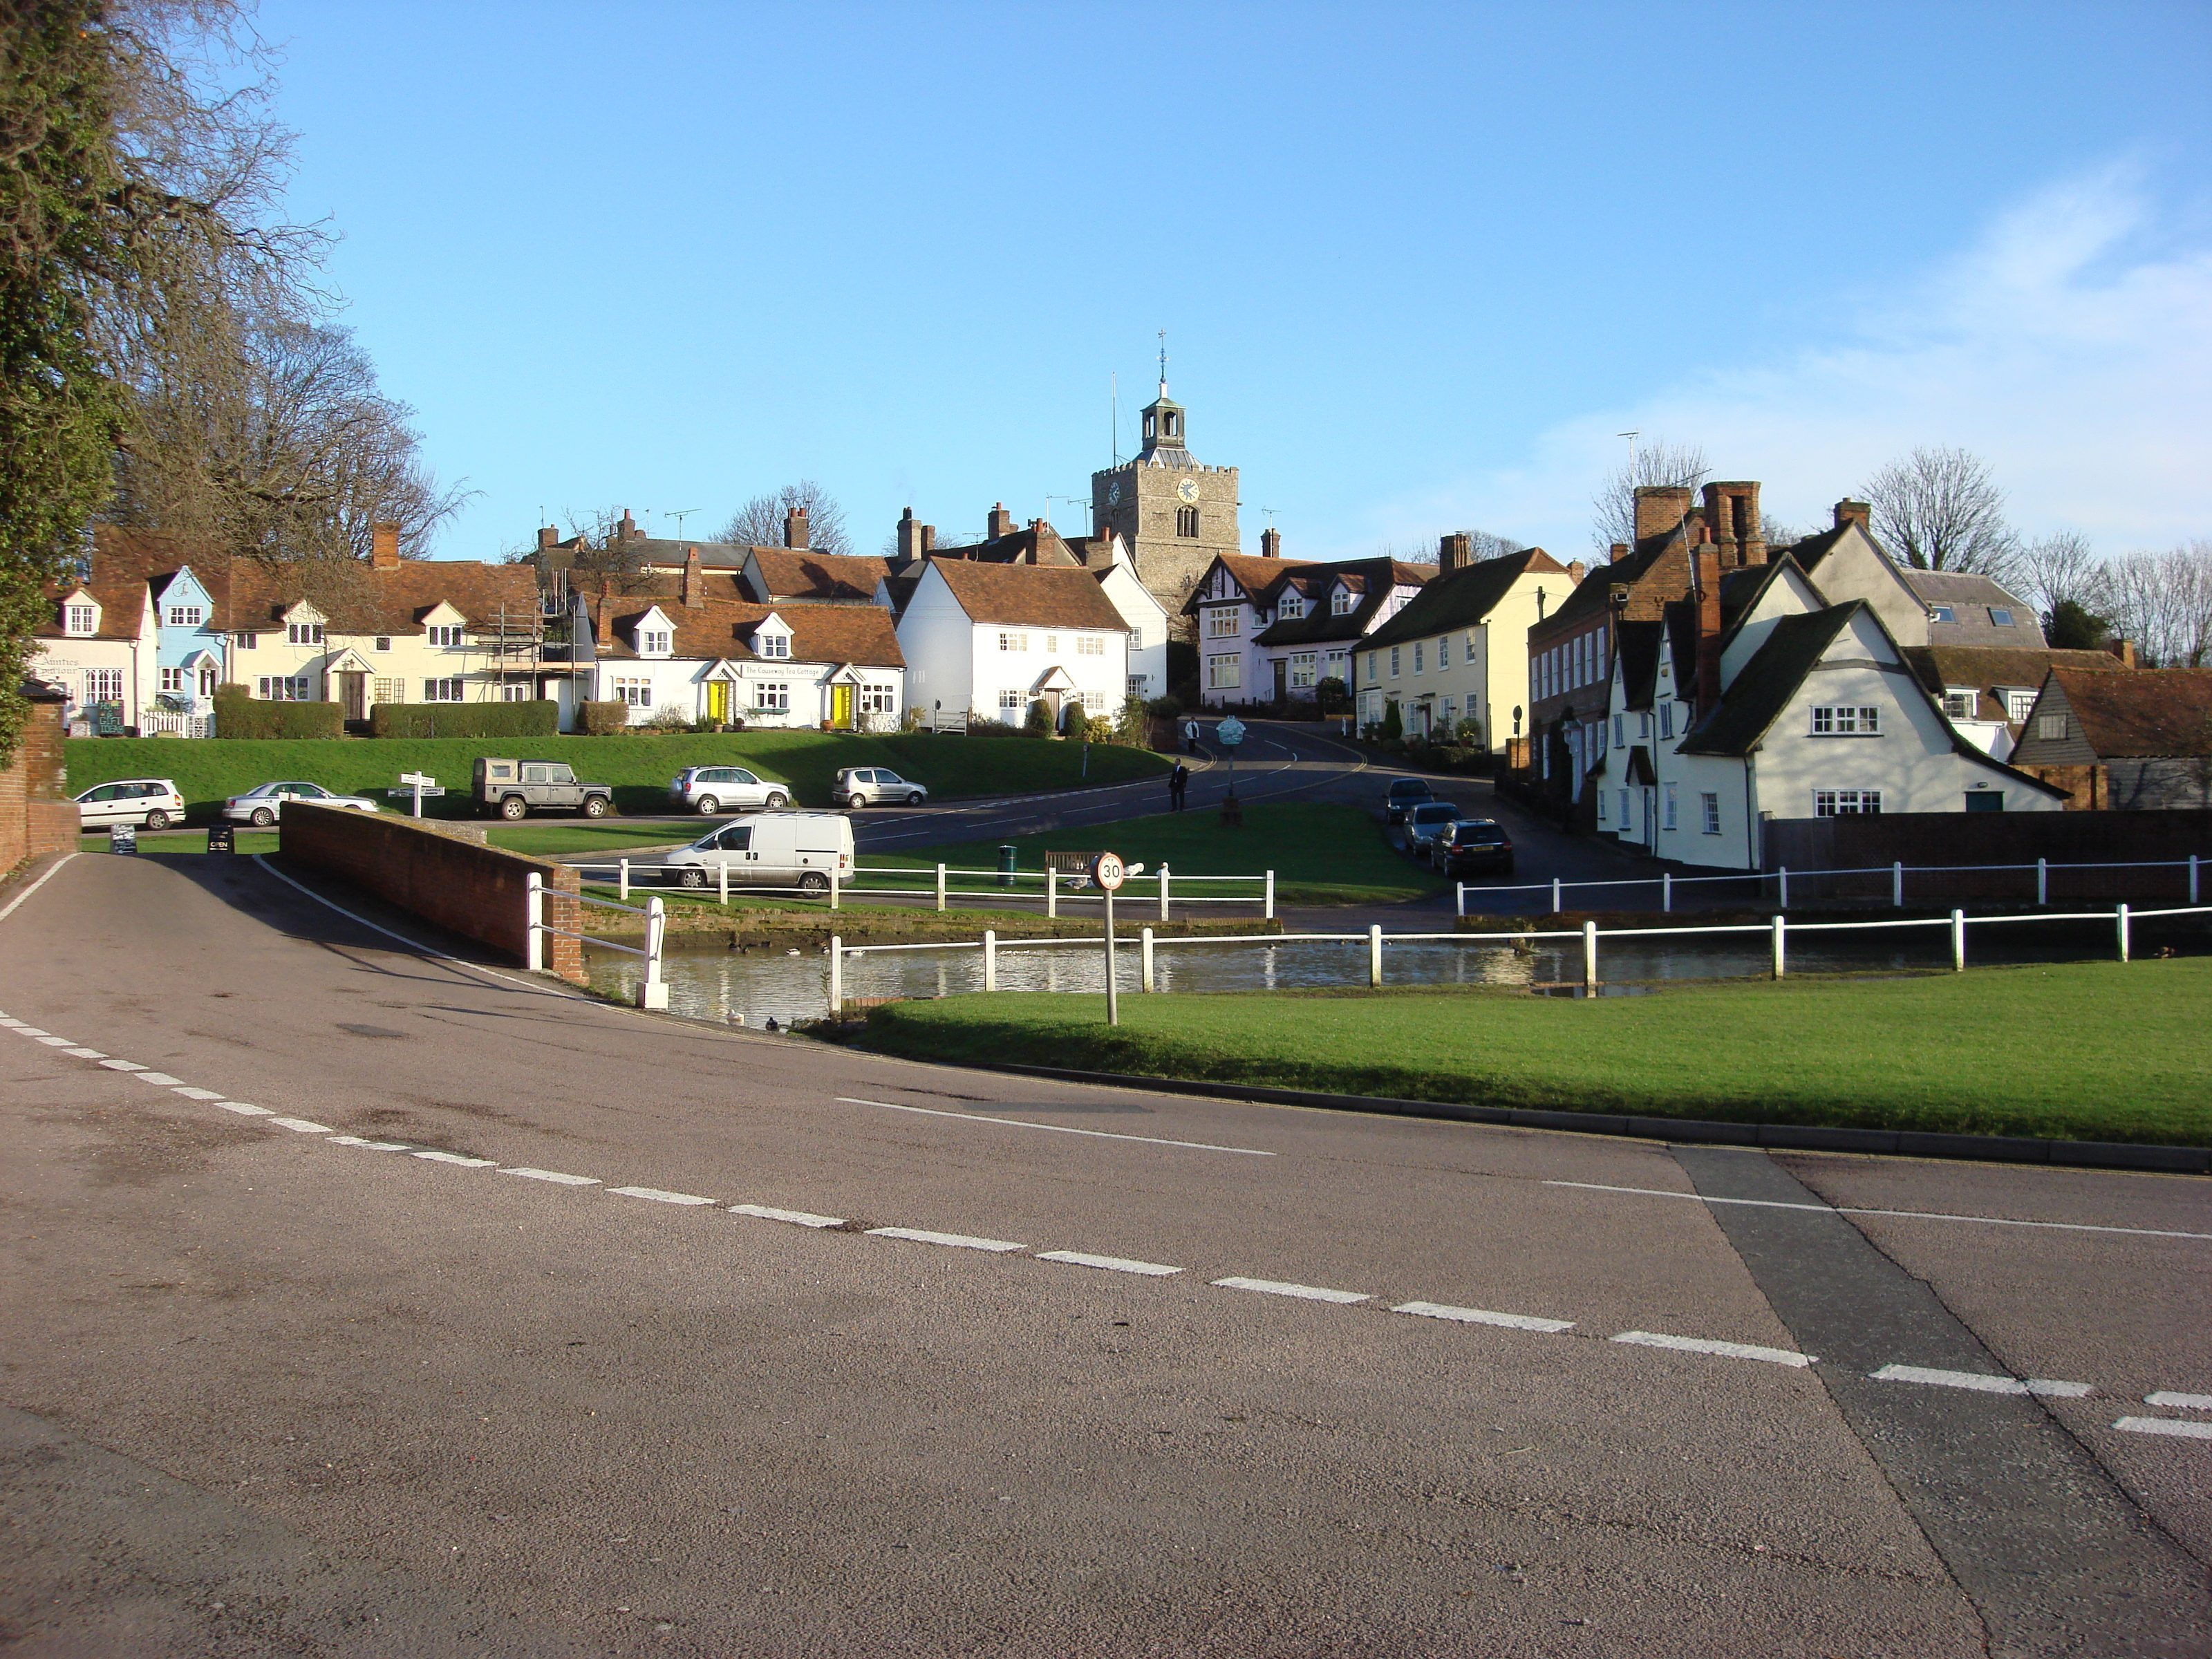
<point>653,989</point>
<point>1781,879</point>
<point>157,722</point>
<point>1778,930</point>
<point>1054,888</point>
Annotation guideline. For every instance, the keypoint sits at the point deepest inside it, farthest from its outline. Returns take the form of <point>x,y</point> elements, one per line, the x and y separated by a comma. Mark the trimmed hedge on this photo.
<point>535,718</point>
<point>602,720</point>
<point>238,716</point>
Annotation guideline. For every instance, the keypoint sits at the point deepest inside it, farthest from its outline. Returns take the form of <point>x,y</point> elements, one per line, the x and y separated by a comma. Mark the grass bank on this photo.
<point>638,767</point>
<point>2093,1051</point>
<point>1321,853</point>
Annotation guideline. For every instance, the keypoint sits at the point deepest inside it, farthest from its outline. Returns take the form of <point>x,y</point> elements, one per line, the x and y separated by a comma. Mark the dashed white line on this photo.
<point>369,1145</point>
<point>1055,1128</point>
<point>305,1126</point>
<point>1304,1293</point>
<point>122,1065</point>
<point>1980,1382</point>
<point>30,1030</point>
<point>1725,1349</point>
<point>2184,1402</point>
<point>58,1043</point>
<point>190,1093</point>
<point>2165,1426</point>
<point>1860,1209</point>
<point>658,1196</point>
<point>159,1079</point>
<point>436,1157</point>
<point>796,1217</point>
<point>1484,1316</point>
<point>1110,1263</point>
<point>243,1109</point>
<point>553,1175</point>
<point>956,1241</point>
<point>85,1054</point>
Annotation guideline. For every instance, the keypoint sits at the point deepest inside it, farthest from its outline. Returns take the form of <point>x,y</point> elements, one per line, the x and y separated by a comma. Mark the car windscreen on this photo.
<point>1434,813</point>
<point>1404,787</point>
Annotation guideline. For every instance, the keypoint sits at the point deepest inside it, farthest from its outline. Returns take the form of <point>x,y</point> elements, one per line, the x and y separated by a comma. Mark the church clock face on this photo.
<point>1187,491</point>
<point>1113,494</point>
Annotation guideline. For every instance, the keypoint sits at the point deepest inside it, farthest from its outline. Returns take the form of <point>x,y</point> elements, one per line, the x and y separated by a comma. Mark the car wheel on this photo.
<point>856,803</point>
<point>513,809</point>
<point>813,883</point>
<point>595,806</point>
<point>914,799</point>
<point>693,878</point>
<point>777,800</point>
<point>262,817</point>
<point>709,807</point>
<point>157,819</point>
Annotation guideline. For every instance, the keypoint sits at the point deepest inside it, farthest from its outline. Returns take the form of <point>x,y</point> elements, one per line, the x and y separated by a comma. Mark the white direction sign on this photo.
<point>1107,871</point>
<point>419,784</point>
<point>1231,731</point>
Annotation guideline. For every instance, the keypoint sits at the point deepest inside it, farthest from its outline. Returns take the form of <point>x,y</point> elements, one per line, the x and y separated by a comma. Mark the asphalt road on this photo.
<point>359,1302</point>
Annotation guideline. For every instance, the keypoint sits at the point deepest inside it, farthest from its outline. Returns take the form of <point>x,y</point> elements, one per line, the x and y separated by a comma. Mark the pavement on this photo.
<point>363,1301</point>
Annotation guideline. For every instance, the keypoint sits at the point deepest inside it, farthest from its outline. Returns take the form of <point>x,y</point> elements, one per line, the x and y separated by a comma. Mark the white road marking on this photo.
<point>658,1196</point>
<point>190,1093</point>
<point>1907,1215</point>
<point>1110,1263</point>
<point>1726,1350</point>
<point>553,1175</point>
<point>12,1023</point>
<point>58,1043</point>
<point>2185,1402</point>
<point>1056,1128</point>
<point>305,1126</point>
<point>245,1110</point>
<point>85,1054</point>
<point>159,1079</point>
<point>453,1157</point>
<point>370,1145</point>
<point>2165,1426</point>
<point>35,886</point>
<point>1484,1316</point>
<point>796,1217</point>
<point>1304,1293</point>
<point>1980,1382</point>
<point>956,1241</point>
<point>31,1031</point>
<point>122,1065</point>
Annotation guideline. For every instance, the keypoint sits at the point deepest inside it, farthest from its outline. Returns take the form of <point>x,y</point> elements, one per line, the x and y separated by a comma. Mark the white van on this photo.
<point>770,850</point>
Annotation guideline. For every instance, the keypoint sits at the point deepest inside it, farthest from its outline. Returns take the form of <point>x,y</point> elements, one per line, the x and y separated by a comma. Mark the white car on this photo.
<point>872,786</point>
<point>153,802</point>
<point>262,806</point>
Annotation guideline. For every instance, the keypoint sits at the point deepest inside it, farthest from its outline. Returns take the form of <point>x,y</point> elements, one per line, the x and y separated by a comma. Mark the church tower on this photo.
<point>1174,514</point>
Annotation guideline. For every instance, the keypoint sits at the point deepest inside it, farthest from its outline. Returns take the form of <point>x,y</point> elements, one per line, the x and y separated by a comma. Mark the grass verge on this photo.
<point>2121,1055</point>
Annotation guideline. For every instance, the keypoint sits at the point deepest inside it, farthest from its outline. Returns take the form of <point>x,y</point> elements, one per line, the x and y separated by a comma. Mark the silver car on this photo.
<point>261,806</point>
<point>707,790</point>
<point>1425,823</point>
<point>153,802</point>
<point>873,786</point>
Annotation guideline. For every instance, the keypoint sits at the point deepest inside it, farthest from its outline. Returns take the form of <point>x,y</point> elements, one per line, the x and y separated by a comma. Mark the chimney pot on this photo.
<point>794,527</point>
<point>1576,571</point>
<point>1271,542</point>
<point>1617,553</point>
<point>999,523</point>
<point>384,546</point>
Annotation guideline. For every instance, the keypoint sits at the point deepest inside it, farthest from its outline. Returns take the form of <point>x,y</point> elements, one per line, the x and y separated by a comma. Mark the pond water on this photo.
<point>726,986</point>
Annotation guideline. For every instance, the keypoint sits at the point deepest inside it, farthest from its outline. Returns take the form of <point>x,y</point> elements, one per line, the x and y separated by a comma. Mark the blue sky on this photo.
<point>1416,265</point>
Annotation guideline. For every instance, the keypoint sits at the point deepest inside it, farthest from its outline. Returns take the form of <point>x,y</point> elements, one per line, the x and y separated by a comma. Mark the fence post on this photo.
<point>1666,892</point>
<point>722,880</point>
<point>1163,892</point>
<point>1897,885</point>
<point>2120,916</point>
<point>534,915</point>
<point>1590,957</point>
<point>836,976</point>
<point>2043,881</point>
<point>990,959</point>
<point>940,889</point>
<point>1785,896</point>
<point>653,993</point>
<point>1459,901</point>
<point>2193,877</point>
<point>1051,893</point>
<point>1375,955</point>
<point>1557,909</point>
<point>833,887</point>
<point>1269,913</point>
<point>1144,956</point>
<point>1958,941</point>
<point>622,877</point>
<point>1780,965</point>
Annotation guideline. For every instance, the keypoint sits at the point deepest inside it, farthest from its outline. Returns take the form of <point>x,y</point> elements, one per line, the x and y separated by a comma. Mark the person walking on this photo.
<point>1190,737</point>
<point>1178,786</point>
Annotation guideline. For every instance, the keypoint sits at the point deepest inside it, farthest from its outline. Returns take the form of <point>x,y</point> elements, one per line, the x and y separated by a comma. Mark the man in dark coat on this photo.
<point>1178,786</point>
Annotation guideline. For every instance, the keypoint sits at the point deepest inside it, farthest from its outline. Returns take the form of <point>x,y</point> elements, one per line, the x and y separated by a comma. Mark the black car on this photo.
<point>1475,846</point>
<point>1404,795</point>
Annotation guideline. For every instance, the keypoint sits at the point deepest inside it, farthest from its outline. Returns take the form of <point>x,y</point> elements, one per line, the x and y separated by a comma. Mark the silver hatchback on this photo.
<point>873,786</point>
<point>707,790</point>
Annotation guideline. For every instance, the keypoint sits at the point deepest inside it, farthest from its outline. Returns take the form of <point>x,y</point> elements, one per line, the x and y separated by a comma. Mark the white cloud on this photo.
<point>2060,346</point>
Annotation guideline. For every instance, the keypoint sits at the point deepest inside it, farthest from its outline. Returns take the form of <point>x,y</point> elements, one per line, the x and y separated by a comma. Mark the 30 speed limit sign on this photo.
<point>1106,871</point>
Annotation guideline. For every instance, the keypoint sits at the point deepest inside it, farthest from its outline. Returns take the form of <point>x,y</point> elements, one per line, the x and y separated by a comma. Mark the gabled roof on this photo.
<point>355,598</point>
<point>1639,642</point>
<point>1812,550</point>
<point>1030,595</point>
<point>797,573</point>
<point>724,630</point>
<point>1594,591</point>
<point>1463,598</point>
<point>1985,667</point>
<point>1762,688</point>
<point>1374,580</point>
<point>2152,713</point>
<point>1256,575</point>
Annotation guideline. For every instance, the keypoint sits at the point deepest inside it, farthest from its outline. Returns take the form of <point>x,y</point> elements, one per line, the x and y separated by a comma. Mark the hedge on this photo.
<point>238,716</point>
<point>602,720</point>
<point>535,718</point>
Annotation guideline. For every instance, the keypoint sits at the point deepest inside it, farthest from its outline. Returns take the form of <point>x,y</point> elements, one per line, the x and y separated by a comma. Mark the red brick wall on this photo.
<point>36,816</point>
<point>479,892</point>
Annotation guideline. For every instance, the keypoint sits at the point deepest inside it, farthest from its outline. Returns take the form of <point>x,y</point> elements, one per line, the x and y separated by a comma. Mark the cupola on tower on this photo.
<point>1173,513</point>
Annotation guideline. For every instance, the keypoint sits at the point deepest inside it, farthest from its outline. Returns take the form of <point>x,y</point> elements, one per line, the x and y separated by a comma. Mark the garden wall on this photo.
<point>36,815</point>
<point>1983,838</point>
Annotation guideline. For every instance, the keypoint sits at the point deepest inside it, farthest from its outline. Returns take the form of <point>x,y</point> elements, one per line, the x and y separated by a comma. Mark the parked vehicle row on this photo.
<point>1439,834</point>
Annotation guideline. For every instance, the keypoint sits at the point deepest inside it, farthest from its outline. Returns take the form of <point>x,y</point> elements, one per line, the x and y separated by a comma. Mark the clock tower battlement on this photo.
<point>1174,514</point>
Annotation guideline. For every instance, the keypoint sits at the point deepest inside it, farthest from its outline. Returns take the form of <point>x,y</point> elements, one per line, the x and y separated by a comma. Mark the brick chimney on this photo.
<point>548,538</point>
<point>627,530</point>
<point>2125,651</point>
<point>910,536</point>
<point>603,628</point>
<point>928,540</point>
<point>1454,552</point>
<point>1101,553</point>
<point>384,546</point>
<point>1732,514</point>
<point>1705,594</point>
<point>1001,523</point>
<point>1851,511</point>
<point>794,527</point>
<point>695,580</point>
<point>1659,509</point>
<point>1271,542</point>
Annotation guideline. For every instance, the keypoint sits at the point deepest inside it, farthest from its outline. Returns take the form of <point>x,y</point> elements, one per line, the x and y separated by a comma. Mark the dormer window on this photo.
<point>187,615</point>
<point>306,633</point>
<point>776,645</point>
<point>1291,608</point>
<point>1340,601</point>
<point>445,636</point>
<point>654,642</point>
<point>79,621</point>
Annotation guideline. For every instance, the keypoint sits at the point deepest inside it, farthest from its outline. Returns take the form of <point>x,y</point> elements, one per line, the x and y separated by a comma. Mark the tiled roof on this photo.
<point>1255,574</point>
<point>721,629</point>
<point>1374,580</point>
<point>358,598</point>
<point>799,573</point>
<point>1030,595</point>
<point>2151,713</point>
<point>1464,597</point>
<point>1988,666</point>
<point>1762,688</point>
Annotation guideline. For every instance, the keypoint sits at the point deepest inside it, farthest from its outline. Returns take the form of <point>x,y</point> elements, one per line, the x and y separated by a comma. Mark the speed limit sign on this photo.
<point>1106,872</point>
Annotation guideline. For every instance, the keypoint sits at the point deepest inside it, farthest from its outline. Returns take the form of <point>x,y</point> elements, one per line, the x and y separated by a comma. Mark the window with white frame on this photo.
<point>80,620</point>
<point>515,691</point>
<point>1394,662</point>
<point>1090,645</point>
<point>878,700</point>
<point>1221,622</point>
<point>442,690</point>
<point>1013,642</point>
<point>1051,645</point>
<point>1225,673</point>
<point>280,687</point>
<point>1667,725</point>
<point>1341,601</point>
<point>637,693</point>
<point>1845,803</point>
<point>1959,705</point>
<point>172,679</point>
<point>2017,705</point>
<point>1417,656</point>
<point>186,616</point>
<point>1712,805</point>
<point>1291,607</point>
<point>1603,816</point>
<point>445,635</point>
<point>778,645</point>
<point>1846,720</point>
<point>772,695</point>
<point>1010,707</point>
<point>306,633</point>
<point>1643,724</point>
<point>103,685</point>
<point>654,641</point>
<point>1444,653</point>
<point>1136,639</point>
<point>1304,672</point>
<point>1619,730</point>
<point>1624,818</point>
<point>1669,819</point>
<point>1374,667</point>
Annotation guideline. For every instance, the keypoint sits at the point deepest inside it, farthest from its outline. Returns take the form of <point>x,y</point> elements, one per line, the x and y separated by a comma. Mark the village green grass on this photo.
<point>637,766</point>
<point>2090,1051</point>
<point>539,840</point>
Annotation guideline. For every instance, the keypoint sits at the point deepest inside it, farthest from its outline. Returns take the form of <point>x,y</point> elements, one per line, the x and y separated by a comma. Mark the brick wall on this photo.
<point>1996,838</point>
<point>479,892</point>
<point>36,815</point>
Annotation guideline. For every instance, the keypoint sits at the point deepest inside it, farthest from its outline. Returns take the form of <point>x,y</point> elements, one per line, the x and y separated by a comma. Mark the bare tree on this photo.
<point>2053,569</point>
<point>1482,543</point>
<point>1939,509</point>
<point>2163,603</point>
<point>1657,464</point>
<point>759,522</point>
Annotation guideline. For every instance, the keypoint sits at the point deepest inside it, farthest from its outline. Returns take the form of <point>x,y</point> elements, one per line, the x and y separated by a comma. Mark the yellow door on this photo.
<point>840,707</point>
<point>718,702</point>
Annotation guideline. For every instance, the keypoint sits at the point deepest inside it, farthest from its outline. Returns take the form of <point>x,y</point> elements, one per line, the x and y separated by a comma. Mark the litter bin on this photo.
<point>220,838</point>
<point>1007,853</point>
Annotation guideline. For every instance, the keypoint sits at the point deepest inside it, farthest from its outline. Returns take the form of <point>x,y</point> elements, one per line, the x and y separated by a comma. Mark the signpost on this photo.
<point>420,785</point>
<point>1108,874</point>
<point>1230,733</point>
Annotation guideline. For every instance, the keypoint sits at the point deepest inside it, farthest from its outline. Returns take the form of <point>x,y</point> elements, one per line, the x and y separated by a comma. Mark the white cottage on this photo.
<point>992,638</point>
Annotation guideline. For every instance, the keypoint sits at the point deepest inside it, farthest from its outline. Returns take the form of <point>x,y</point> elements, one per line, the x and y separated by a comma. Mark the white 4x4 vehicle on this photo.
<point>707,790</point>
<point>872,786</point>
<point>153,802</point>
